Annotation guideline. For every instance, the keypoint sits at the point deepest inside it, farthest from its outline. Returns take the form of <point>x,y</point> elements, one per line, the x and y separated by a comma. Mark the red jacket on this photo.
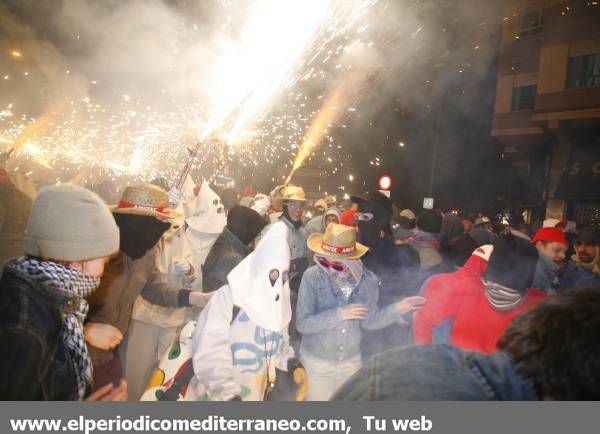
<point>456,304</point>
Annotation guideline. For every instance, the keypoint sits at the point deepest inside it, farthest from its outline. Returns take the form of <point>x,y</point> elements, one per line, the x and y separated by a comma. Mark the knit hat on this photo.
<point>589,235</point>
<point>550,234</point>
<point>484,252</point>
<point>430,221</point>
<point>70,223</point>
<point>512,263</point>
<point>333,210</point>
<point>245,223</point>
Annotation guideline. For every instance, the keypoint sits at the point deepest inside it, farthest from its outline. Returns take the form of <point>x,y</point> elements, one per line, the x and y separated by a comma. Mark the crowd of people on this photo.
<point>186,294</point>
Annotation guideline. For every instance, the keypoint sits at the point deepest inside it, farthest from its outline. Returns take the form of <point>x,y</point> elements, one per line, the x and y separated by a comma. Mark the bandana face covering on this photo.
<point>139,233</point>
<point>345,273</point>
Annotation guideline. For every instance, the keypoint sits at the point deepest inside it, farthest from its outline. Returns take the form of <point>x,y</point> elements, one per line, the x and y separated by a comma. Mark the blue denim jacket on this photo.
<point>437,373</point>
<point>576,276</point>
<point>319,315</point>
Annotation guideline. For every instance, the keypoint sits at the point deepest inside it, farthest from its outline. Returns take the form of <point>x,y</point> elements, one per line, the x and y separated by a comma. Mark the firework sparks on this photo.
<point>280,45</point>
<point>331,110</point>
<point>273,42</point>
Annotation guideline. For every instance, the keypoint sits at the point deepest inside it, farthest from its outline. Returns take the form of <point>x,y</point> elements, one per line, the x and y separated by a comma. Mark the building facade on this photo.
<point>547,109</point>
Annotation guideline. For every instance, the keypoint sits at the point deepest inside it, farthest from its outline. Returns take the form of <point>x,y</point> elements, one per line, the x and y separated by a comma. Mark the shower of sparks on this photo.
<point>255,109</point>
<point>331,110</point>
<point>271,48</point>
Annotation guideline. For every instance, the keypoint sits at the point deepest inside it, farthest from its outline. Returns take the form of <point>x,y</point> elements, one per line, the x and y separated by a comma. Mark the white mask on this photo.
<point>209,214</point>
<point>259,284</point>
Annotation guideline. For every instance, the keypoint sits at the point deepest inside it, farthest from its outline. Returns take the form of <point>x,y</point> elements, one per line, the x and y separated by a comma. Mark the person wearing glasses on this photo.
<point>337,299</point>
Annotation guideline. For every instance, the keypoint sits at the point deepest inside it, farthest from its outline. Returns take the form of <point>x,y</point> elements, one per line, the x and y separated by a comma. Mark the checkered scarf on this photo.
<point>71,283</point>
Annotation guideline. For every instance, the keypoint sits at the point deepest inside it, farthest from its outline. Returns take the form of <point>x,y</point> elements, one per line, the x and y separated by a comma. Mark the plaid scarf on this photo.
<point>71,283</point>
<point>500,297</point>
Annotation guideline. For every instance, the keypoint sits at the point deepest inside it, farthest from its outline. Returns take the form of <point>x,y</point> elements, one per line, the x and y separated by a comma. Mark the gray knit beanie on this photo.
<point>70,223</point>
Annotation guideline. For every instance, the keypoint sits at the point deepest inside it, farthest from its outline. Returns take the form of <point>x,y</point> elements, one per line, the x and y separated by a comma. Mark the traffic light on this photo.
<point>385,183</point>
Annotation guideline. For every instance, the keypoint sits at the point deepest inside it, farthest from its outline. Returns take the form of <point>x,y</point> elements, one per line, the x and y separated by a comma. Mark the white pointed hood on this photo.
<point>208,215</point>
<point>259,284</point>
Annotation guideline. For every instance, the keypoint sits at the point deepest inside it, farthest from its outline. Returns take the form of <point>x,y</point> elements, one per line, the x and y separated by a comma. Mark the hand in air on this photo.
<point>410,304</point>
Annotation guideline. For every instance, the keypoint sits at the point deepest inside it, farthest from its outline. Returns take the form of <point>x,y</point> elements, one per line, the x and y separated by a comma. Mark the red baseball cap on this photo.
<point>550,234</point>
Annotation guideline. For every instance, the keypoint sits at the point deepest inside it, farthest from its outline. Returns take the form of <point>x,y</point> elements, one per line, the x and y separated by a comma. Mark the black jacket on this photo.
<point>35,364</point>
<point>397,268</point>
<point>224,255</point>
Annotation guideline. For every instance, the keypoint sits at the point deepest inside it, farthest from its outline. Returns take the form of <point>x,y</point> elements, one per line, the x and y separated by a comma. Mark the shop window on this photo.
<point>584,71</point>
<point>531,22</point>
<point>523,97</point>
<point>587,215</point>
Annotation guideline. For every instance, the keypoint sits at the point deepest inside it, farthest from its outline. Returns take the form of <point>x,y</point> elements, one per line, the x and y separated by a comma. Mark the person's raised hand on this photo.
<point>410,304</point>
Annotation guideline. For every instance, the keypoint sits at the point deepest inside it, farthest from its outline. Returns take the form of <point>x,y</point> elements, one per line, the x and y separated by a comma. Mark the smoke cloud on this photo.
<point>153,66</point>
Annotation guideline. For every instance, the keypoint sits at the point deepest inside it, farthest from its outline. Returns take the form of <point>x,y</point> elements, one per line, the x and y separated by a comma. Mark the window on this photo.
<point>531,22</point>
<point>523,97</point>
<point>584,71</point>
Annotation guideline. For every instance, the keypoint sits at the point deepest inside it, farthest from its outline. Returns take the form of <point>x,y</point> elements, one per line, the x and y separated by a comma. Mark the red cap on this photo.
<point>347,218</point>
<point>550,234</point>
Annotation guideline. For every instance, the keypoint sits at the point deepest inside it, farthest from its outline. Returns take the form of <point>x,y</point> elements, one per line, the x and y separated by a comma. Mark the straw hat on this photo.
<point>291,192</point>
<point>338,241</point>
<point>321,203</point>
<point>145,199</point>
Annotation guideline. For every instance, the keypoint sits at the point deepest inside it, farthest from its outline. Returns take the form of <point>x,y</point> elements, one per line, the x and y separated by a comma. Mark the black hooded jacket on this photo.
<point>243,225</point>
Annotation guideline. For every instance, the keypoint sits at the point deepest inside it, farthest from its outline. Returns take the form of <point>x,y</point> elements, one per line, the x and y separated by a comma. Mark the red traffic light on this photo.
<point>385,182</point>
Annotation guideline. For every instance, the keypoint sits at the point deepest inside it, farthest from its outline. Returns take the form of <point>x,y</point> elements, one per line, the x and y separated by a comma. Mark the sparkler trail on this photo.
<point>331,110</point>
